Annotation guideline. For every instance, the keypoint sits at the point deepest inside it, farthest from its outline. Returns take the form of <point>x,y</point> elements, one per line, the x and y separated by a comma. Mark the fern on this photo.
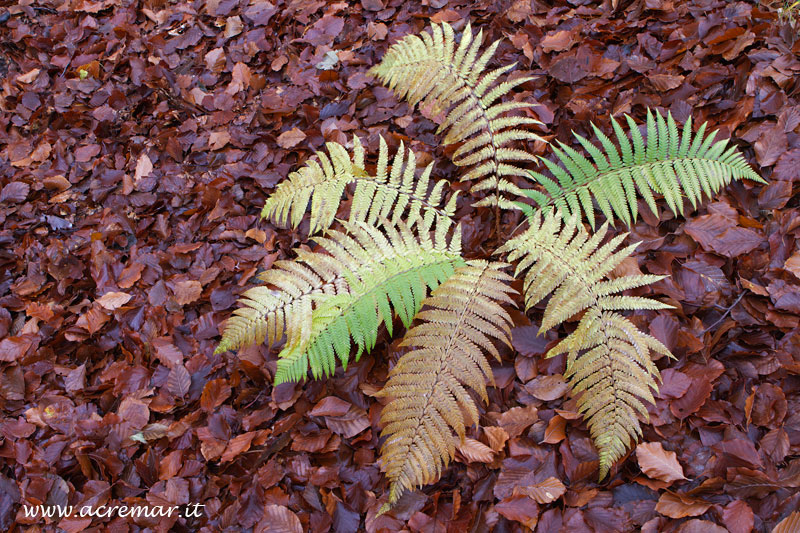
<point>382,272</point>
<point>669,163</point>
<point>427,386</point>
<point>616,372</point>
<point>387,195</point>
<point>453,79</point>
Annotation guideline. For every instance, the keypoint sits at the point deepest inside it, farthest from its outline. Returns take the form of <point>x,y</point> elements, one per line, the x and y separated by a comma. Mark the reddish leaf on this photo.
<point>475,451</point>
<point>291,138</point>
<point>278,519</point>
<point>679,506</point>
<point>518,419</point>
<point>520,509</point>
<point>738,517</point>
<point>546,491</point>
<point>658,463</point>
<point>179,381</point>
<point>214,394</point>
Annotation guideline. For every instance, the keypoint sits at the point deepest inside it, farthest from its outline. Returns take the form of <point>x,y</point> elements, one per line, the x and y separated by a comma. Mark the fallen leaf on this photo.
<point>738,517</point>
<point>143,168</point>
<point>113,300</point>
<point>187,291</point>
<point>679,506</point>
<point>658,463</point>
<point>475,451</point>
<point>291,138</point>
<point>546,491</point>
<point>790,524</point>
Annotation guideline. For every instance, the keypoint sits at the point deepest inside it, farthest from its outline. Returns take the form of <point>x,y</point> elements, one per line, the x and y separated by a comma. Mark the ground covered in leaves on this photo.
<point>139,140</point>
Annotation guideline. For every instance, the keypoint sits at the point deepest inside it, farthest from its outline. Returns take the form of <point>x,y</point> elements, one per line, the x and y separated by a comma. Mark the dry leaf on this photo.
<point>658,463</point>
<point>678,506</point>
<point>113,300</point>
<point>475,451</point>
<point>291,138</point>
<point>546,491</point>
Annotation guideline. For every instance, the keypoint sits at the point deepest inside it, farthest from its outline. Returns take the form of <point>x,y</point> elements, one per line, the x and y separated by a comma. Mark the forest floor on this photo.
<point>139,142</point>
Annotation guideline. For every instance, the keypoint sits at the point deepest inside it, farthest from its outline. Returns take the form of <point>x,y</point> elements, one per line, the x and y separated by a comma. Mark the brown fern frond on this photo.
<point>428,386</point>
<point>453,79</point>
<point>616,372</point>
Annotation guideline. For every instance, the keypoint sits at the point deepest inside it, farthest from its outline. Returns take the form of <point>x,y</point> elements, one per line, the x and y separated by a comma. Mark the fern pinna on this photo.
<point>393,194</point>
<point>616,372</point>
<point>669,163</point>
<point>429,400</point>
<point>453,80</point>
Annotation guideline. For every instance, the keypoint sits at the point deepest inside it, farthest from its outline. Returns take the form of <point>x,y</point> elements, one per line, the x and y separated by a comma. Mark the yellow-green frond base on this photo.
<point>386,274</point>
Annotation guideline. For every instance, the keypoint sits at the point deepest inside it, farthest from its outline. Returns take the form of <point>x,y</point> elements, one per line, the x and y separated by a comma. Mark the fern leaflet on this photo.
<point>388,194</point>
<point>427,387</point>
<point>616,373</point>
<point>453,80</point>
<point>669,163</point>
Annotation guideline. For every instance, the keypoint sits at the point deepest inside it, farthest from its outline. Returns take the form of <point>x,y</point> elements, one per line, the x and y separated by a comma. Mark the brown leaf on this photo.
<point>218,139</point>
<point>278,519</point>
<point>240,81</point>
<point>330,406</point>
<point>526,341</point>
<point>15,192</point>
<point>546,491</point>
<point>792,264</point>
<point>496,436</point>
<point>75,380</point>
<point>718,233</point>
<point>179,381</point>
<point>187,291</point>
<point>518,419</point>
<point>679,506</point>
<point>113,300</point>
<point>92,320</point>
<point>13,348</point>
<point>547,388</point>
<point>291,138</point>
<point>167,352</point>
<point>568,70</point>
<point>29,76</point>
<point>475,451</point>
<point>556,430</point>
<point>237,445</point>
<point>143,168</point>
<point>559,41</point>
<point>788,167</point>
<point>214,394</point>
<point>738,517</point>
<point>658,463</point>
<point>520,509</point>
<point>700,526</point>
<point>665,82</point>
<point>790,524</point>
<point>770,146</point>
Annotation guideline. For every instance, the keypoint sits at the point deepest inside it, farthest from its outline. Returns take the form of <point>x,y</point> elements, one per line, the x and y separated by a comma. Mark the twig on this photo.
<point>728,310</point>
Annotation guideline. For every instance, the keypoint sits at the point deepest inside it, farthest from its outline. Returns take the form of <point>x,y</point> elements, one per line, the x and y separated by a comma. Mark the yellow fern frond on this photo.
<point>616,372</point>
<point>427,387</point>
<point>453,79</point>
<point>388,194</point>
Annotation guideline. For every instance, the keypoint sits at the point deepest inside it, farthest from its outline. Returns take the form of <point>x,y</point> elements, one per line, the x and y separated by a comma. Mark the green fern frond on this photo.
<point>428,386</point>
<point>616,372</point>
<point>384,273</point>
<point>669,163</point>
<point>390,194</point>
<point>453,80</point>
